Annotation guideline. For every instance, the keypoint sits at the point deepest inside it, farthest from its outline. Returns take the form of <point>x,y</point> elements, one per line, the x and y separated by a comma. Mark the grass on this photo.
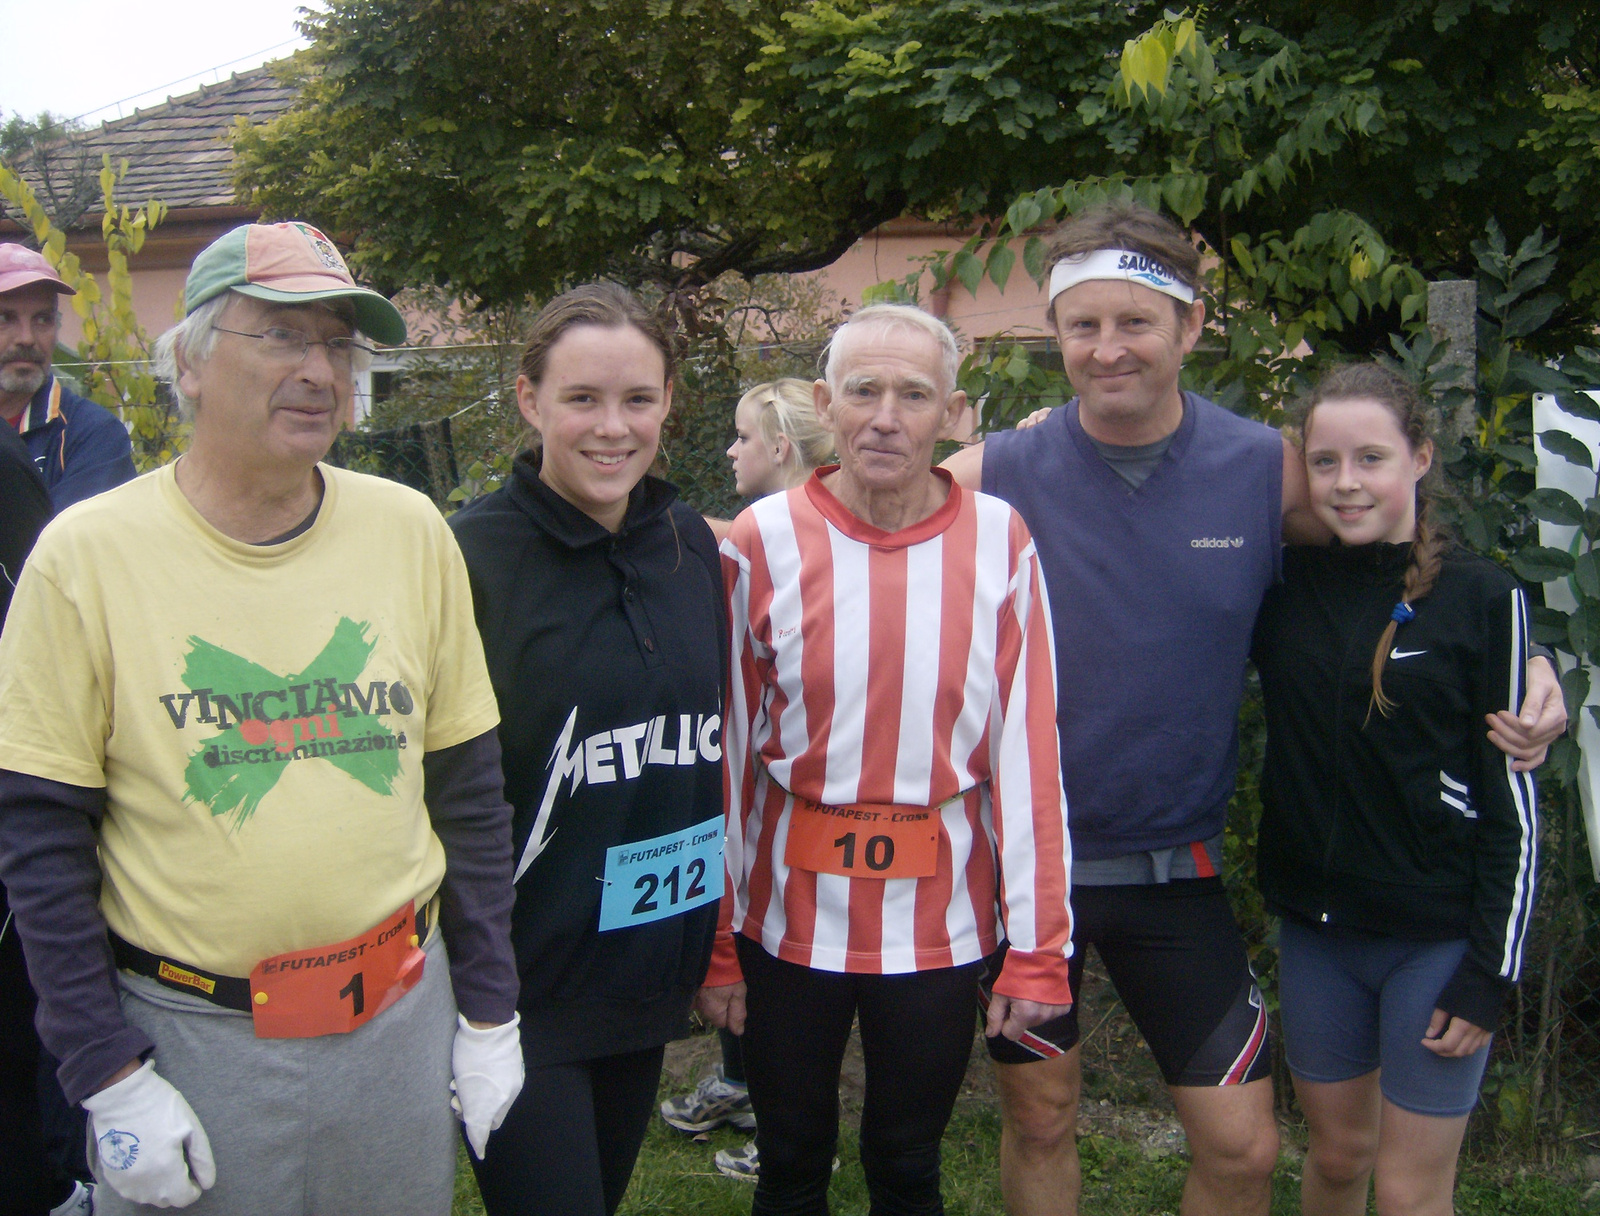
<point>1126,1130</point>
<point>675,1177</point>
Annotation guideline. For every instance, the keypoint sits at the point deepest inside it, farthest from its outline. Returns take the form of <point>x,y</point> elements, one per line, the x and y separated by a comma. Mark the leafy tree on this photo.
<point>113,357</point>
<point>1417,120</point>
<point>49,149</point>
<point>505,147</point>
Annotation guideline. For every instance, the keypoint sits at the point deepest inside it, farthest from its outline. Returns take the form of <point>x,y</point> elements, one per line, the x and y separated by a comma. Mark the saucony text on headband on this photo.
<point>1122,264</point>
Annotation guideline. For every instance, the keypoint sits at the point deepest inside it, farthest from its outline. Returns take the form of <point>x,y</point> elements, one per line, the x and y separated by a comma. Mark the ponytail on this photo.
<point>1427,556</point>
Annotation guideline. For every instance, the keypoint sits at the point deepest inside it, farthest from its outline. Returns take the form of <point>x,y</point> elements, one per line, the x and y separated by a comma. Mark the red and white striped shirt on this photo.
<point>915,668</point>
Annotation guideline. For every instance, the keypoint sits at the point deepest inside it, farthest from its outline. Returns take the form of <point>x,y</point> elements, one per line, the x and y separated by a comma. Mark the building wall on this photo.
<point>895,249</point>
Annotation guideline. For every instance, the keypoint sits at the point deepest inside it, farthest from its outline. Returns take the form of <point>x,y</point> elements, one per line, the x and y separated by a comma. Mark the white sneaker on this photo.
<point>715,1101</point>
<point>79,1203</point>
<point>743,1164</point>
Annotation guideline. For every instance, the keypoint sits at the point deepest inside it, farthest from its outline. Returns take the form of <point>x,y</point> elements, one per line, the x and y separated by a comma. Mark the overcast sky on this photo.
<point>76,57</point>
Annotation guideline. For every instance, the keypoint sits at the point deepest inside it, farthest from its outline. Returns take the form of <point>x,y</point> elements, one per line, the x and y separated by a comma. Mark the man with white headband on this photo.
<point>1159,519</point>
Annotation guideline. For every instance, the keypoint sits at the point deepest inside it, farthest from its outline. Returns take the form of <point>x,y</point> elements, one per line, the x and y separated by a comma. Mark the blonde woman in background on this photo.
<point>780,441</point>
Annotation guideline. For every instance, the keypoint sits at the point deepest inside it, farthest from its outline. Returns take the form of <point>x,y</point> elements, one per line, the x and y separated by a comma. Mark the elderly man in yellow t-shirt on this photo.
<point>251,818</point>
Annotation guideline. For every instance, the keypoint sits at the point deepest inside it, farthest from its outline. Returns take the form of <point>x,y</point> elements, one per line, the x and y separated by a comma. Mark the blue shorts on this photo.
<point>1352,1002</point>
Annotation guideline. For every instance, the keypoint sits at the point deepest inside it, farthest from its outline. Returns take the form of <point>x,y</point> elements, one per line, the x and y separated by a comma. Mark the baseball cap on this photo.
<point>288,263</point>
<point>22,267</point>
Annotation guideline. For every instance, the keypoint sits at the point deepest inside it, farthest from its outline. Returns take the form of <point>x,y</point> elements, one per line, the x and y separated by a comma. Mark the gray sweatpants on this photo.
<point>345,1124</point>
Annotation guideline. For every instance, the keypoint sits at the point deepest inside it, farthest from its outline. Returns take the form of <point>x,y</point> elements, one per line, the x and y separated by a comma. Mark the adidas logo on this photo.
<point>1217,542</point>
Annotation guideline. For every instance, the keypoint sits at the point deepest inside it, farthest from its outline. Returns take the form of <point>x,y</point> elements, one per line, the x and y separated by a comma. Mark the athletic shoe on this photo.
<point>79,1203</point>
<point>742,1164</point>
<point>715,1101</point>
<point>745,1164</point>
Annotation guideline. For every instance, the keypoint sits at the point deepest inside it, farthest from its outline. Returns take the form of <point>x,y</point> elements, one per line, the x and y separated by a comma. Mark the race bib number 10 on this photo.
<point>663,876</point>
<point>863,840</point>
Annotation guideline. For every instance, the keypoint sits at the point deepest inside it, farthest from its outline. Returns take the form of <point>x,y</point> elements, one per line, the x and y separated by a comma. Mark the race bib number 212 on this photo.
<point>663,876</point>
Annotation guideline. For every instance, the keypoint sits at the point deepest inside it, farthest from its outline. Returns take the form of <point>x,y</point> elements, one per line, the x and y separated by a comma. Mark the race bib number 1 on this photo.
<point>334,989</point>
<point>663,876</point>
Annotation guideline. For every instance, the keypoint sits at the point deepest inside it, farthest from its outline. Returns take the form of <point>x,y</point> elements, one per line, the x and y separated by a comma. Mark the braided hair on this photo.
<point>1374,382</point>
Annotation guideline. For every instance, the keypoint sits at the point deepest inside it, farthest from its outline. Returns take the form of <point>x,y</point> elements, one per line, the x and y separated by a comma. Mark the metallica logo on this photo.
<point>618,755</point>
<point>267,721</point>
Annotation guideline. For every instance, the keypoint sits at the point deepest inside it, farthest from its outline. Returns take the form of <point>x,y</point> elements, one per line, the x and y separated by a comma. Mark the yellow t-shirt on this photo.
<point>256,714</point>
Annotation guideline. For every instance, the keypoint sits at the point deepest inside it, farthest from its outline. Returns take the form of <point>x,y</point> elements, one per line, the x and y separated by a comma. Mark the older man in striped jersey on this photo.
<point>896,816</point>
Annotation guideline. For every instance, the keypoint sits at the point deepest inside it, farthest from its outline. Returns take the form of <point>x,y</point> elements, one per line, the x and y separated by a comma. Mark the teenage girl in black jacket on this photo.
<point>1397,843</point>
<point>599,597</point>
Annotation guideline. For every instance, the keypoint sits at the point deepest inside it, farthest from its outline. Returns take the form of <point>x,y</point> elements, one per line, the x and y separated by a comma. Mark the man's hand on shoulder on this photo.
<point>1526,736</point>
<point>1300,523</point>
<point>966,466</point>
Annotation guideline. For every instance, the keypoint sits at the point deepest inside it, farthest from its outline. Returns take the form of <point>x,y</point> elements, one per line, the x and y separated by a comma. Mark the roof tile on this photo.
<point>178,151</point>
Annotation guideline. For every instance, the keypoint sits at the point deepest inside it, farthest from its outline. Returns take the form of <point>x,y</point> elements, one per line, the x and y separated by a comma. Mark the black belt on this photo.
<point>228,991</point>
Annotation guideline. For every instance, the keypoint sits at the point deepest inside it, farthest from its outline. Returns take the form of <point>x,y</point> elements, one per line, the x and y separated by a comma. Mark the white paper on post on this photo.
<point>1556,472</point>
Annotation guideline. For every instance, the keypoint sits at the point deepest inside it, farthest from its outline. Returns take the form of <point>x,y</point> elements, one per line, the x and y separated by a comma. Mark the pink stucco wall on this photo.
<point>889,252</point>
<point>895,249</point>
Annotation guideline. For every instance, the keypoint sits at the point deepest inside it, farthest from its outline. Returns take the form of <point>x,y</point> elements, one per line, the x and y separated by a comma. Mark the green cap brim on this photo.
<point>375,316</point>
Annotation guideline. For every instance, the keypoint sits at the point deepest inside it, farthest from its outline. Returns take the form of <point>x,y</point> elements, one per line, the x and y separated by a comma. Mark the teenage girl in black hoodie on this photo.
<point>1397,842</point>
<point>599,597</point>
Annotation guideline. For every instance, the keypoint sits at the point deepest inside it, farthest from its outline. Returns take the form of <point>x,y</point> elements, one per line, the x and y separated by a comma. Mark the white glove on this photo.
<point>143,1131</point>
<point>487,1069</point>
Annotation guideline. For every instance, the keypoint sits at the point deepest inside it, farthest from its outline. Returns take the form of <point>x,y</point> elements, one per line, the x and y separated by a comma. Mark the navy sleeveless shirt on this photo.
<point>1153,595</point>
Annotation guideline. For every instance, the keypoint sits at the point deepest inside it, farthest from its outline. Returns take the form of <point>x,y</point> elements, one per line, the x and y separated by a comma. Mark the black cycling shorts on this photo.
<point>1175,955</point>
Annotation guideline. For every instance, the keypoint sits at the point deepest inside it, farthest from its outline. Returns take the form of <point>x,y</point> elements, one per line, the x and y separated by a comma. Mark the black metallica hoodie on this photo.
<point>608,655</point>
<point>1413,825</point>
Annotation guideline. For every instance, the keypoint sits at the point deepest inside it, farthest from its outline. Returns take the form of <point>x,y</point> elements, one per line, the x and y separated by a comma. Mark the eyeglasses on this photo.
<point>290,345</point>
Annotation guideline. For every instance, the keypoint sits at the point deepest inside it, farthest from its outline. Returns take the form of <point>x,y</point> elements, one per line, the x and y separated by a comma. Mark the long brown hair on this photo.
<point>1374,382</point>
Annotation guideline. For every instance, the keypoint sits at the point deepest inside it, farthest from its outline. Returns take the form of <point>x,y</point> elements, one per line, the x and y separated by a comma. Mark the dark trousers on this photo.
<point>732,1057</point>
<point>41,1137</point>
<point>569,1142</point>
<point>916,1035</point>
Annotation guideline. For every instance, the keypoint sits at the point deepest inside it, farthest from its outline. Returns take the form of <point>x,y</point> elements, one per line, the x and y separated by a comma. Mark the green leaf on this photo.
<point>969,270</point>
<point>1579,405</point>
<point>1517,454</point>
<point>1033,254</point>
<point>1531,375</point>
<point>1575,685</point>
<point>1568,447</point>
<point>1581,632</point>
<point>1555,506</point>
<point>1586,573</point>
<point>1550,626</point>
<point>1241,254</point>
<point>1529,315</point>
<point>1001,260</point>
<point>1538,564</point>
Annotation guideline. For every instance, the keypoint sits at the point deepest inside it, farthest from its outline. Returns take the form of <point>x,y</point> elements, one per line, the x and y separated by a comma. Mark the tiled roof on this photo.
<point>179,151</point>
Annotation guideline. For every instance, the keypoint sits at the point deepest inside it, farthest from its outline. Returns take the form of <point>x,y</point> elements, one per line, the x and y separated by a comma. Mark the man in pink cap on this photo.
<point>78,447</point>
<point>251,809</point>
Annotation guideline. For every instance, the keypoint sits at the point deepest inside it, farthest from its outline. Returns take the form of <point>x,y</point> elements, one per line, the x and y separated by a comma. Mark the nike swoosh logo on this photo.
<point>1397,653</point>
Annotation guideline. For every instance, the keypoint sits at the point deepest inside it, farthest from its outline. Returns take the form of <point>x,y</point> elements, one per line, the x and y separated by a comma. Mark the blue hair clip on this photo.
<point>1403,612</point>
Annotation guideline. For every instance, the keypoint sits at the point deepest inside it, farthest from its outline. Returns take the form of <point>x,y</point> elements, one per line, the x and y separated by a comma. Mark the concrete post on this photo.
<point>1452,318</point>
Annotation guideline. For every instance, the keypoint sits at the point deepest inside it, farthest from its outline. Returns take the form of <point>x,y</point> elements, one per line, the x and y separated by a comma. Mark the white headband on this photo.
<point>1122,264</point>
